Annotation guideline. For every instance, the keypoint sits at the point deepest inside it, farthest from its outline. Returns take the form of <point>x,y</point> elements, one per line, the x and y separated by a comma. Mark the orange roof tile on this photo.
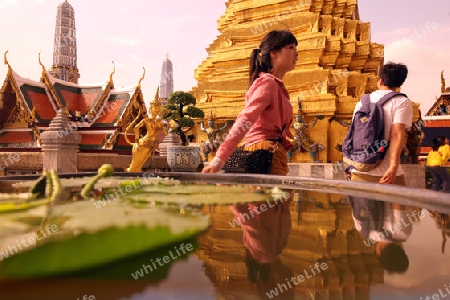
<point>9,137</point>
<point>437,123</point>
<point>121,143</point>
<point>37,97</point>
<point>425,149</point>
<point>78,98</point>
<point>92,141</point>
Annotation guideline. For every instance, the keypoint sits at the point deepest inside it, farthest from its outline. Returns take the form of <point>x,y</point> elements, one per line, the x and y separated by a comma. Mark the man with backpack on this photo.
<point>377,135</point>
<point>372,149</point>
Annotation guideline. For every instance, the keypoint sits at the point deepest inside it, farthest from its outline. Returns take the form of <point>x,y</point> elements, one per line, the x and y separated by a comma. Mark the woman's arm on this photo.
<point>258,99</point>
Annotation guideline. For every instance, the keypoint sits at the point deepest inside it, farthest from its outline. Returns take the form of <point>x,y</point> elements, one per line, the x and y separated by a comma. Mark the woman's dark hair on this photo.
<point>393,75</point>
<point>260,58</point>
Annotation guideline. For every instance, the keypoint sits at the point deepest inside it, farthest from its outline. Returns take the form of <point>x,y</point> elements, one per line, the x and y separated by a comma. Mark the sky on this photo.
<point>140,33</point>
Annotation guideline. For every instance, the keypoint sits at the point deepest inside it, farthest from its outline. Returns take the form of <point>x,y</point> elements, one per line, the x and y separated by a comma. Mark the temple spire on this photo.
<point>65,45</point>
<point>166,82</point>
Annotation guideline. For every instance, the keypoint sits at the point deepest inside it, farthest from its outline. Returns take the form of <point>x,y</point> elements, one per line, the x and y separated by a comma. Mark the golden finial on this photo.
<point>211,118</point>
<point>5,58</point>
<point>42,65</point>
<point>143,76</point>
<point>300,105</point>
<point>39,58</point>
<point>7,63</point>
<point>157,94</point>
<point>114,71</point>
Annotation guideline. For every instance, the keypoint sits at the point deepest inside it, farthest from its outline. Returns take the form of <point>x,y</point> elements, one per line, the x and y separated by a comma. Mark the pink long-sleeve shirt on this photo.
<point>267,109</point>
<point>265,233</point>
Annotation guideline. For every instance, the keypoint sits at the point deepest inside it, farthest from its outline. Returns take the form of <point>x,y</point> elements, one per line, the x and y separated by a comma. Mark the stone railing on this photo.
<point>21,163</point>
<point>414,174</point>
<point>17,163</point>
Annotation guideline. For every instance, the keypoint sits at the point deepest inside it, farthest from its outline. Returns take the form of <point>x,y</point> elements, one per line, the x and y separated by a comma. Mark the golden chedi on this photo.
<point>337,64</point>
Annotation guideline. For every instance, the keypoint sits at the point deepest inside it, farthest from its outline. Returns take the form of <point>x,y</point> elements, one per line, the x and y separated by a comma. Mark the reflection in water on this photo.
<point>262,256</point>
<point>276,245</point>
<point>265,233</point>
<point>443,223</point>
<point>387,226</point>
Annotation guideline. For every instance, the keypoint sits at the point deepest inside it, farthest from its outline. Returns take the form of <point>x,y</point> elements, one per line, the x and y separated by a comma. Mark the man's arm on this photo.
<point>395,149</point>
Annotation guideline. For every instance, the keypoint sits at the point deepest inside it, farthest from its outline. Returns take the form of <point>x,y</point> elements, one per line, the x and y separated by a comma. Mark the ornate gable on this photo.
<point>441,107</point>
<point>77,100</point>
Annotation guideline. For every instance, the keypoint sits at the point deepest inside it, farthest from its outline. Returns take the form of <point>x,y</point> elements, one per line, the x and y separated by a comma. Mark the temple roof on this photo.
<point>17,139</point>
<point>30,104</point>
<point>441,107</point>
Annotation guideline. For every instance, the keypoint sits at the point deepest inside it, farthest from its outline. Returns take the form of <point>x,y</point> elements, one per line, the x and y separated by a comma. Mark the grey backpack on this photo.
<point>364,146</point>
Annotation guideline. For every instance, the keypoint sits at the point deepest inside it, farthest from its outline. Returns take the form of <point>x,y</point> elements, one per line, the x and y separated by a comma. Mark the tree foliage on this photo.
<point>181,109</point>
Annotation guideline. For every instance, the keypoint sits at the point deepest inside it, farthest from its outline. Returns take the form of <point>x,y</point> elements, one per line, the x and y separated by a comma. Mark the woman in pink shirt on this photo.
<point>267,115</point>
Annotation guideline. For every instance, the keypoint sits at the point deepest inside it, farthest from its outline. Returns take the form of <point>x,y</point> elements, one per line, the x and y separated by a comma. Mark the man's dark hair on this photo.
<point>435,144</point>
<point>393,259</point>
<point>393,75</point>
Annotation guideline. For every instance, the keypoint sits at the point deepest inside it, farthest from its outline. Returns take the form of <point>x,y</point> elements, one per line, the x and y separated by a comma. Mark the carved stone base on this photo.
<point>170,140</point>
<point>183,158</point>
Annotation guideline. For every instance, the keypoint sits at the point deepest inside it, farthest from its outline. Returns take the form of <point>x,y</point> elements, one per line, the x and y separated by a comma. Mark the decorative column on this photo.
<point>60,144</point>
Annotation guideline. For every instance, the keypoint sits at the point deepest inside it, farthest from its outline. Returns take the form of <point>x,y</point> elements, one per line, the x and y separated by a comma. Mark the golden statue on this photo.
<point>304,142</point>
<point>214,140</point>
<point>145,146</point>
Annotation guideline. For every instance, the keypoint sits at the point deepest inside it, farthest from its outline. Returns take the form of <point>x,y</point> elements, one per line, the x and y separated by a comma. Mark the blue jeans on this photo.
<point>440,178</point>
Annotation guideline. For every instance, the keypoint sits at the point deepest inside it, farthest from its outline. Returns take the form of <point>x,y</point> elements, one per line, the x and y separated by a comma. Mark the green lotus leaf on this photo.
<point>78,236</point>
